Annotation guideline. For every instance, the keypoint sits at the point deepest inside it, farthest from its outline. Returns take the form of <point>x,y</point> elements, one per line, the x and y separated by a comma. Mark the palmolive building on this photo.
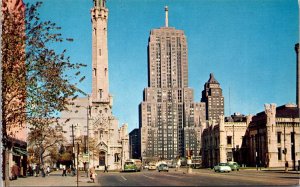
<point>170,121</point>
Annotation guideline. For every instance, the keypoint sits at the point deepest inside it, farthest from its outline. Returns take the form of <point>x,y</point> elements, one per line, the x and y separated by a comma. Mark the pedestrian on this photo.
<point>48,170</point>
<point>64,171</point>
<point>14,172</point>
<point>30,171</point>
<point>105,169</point>
<point>43,171</point>
<point>73,171</point>
<point>37,170</point>
<point>92,174</point>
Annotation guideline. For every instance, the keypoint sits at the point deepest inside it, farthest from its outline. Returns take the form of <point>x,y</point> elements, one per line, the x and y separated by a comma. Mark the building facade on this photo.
<point>268,139</point>
<point>222,140</point>
<point>134,144</point>
<point>272,137</point>
<point>169,118</point>
<point>213,98</point>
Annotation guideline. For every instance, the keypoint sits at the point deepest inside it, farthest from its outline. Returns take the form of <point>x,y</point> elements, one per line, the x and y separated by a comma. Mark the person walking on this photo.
<point>14,172</point>
<point>105,169</point>
<point>43,171</point>
<point>48,170</point>
<point>37,170</point>
<point>92,174</point>
<point>64,171</point>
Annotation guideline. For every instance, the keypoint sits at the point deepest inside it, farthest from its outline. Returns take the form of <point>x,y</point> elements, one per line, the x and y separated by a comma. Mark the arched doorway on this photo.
<point>102,158</point>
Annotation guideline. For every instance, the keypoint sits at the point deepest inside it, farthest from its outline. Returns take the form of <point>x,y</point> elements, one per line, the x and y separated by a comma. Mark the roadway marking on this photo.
<point>123,178</point>
<point>173,176</point>
<point>148,176</point>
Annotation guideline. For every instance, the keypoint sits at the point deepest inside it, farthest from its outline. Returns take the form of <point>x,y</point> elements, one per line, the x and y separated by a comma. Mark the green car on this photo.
<point>234,166</point>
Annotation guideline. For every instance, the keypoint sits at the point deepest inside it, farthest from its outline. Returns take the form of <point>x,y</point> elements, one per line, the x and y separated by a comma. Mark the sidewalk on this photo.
<point>54,179</point>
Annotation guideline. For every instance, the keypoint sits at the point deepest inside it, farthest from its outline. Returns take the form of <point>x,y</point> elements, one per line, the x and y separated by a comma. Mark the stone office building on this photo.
<point>169,118</point>
<point>272,137</point>
<point>222,140</point>
<point>268,139</point>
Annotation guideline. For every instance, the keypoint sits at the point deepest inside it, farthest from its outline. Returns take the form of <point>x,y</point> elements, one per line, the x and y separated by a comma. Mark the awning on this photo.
<point>19,151</point>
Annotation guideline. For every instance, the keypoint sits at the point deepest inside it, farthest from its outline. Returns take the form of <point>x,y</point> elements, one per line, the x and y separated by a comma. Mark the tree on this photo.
<point>13,75</point>
<point>13,69</point>
<point>37,79</point>
<point>49,81</point>
<point>45,140</point>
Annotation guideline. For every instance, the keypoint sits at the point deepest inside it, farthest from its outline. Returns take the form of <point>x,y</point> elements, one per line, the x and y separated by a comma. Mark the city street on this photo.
<point>198,177</point>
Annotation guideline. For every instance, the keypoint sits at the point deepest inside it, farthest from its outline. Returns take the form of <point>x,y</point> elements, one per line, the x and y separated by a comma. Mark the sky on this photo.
<point>248,45</point>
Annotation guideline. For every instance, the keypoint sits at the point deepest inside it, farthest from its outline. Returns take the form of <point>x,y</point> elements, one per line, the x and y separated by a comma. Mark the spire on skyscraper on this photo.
<point>167,19</point>
<point>212,79</point>
<point>100,3</point>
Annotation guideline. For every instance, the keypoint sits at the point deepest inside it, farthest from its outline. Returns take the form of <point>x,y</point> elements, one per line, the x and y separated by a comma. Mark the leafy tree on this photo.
<point>13,75</point>
<point>45,140</point>
<point>38,81</point>
<point>48,81</point>
<point>13,69</point>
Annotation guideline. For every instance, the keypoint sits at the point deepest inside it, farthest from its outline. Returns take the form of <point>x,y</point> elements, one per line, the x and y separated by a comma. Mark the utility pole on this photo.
<point>233,149</point>
<point>284,150</point>
<point>293,145</point>
<point>73,154</point>
<point>87,126</point>
<point>77,162</point>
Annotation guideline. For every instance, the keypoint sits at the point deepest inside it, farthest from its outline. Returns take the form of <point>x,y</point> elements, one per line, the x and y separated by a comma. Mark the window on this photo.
<point>278,137</point>
<point>229,140</point>
<point>101,134</point>
<point>100,93</point>
<point>117,158</point>
<point>95,72</point>
<point>279,153</point>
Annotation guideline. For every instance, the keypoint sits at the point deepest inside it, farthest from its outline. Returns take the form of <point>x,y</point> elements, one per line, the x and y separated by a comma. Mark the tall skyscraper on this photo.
<point>135,144</point>
<point>169,119</point>
<point>213,98</point>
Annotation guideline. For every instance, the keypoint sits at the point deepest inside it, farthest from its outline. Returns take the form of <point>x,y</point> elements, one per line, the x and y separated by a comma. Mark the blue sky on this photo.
<point>248,45</point>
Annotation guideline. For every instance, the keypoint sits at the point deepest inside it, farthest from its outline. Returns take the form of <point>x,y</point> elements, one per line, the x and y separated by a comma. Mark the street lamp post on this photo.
<point>293,145</point>
<point>77,142</point>
<point>73,150</point>
<point>87,126</point>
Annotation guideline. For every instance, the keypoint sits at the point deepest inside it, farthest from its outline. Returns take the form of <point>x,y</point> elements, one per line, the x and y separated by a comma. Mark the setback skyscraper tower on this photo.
<point>169,118</point>
<point>213,97</point>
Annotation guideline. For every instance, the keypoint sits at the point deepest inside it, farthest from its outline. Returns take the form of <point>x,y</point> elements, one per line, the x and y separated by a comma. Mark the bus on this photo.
<point>196,162</point>
<point>132,165</point>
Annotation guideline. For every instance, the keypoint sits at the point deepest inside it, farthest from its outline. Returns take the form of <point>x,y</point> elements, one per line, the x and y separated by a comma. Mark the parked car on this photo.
<point>234,166</point>
<point>162,167</point>
<point>222,167</point>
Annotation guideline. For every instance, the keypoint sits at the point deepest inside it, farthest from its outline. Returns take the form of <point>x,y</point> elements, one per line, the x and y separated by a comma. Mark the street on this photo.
<point>199,177</point>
